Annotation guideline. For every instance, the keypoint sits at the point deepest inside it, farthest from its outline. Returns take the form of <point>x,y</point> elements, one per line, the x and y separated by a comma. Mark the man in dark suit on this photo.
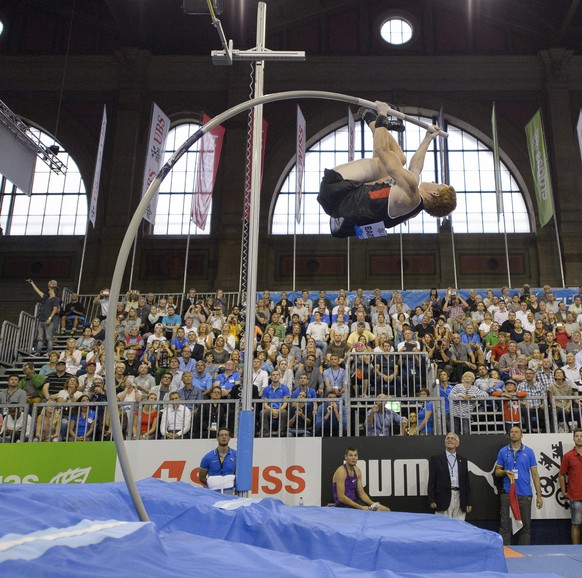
<point>449,490</point>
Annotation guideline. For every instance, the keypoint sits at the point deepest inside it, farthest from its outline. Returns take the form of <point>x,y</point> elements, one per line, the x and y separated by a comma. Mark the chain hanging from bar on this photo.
<point>244,245</point>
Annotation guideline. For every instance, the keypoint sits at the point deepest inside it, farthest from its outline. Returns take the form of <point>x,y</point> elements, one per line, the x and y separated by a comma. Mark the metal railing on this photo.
<point>566,413</point>
<point>93,310</point>
<point>493,414</point>
<point>9,340</point>
<point>28,331</point>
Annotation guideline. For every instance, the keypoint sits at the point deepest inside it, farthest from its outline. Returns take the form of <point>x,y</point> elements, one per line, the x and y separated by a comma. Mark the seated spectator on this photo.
<point>527,346</point>
<point>219,353</point>
<point>382,418</point>
<point>186,363</point>
<point>50,367</point>
<point>134,341</point>
<point>488,381</point>
<point>274,413</point>
<point>131,363</point>
<point>176,419</point>
<point>14,394</point>
<point>35,385</point>
<point>313,373</point>
<point>171,323</point>
<point>331,416</point>
<point>86,379</point>
<point>260,377</point>
<point>179,342</point>
<point>187,391</point>
<point>73,315</point>
<point>213,416</point>
<point>301,417</point>
<point>48,424</point>
<point>227,379</point>
<point>16,426</point>
<point>82,421</point>
<point>335,376</point>
<point>72,357</point>
<point>145,381</point>
<point>202,380</point>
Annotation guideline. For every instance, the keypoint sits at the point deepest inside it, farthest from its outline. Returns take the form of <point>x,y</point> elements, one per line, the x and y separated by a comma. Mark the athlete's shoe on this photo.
<point>395,124</point>
<point>367,115</point>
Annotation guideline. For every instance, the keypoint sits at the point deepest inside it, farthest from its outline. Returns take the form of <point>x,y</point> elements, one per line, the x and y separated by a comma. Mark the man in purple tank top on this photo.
<point>348,491</point>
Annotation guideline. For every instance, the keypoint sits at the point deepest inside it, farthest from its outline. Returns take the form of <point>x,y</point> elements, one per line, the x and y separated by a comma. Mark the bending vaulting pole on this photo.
<point>132,231</point>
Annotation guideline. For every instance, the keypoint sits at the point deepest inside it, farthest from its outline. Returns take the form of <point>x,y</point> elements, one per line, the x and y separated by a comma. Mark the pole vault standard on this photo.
<point>134,226</point>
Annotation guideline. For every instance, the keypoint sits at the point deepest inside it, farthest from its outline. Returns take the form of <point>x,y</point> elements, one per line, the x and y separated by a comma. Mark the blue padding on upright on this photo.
<point>244,451</point>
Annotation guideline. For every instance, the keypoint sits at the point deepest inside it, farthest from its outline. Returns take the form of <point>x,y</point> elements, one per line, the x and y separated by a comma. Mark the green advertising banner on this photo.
<point>540,167</point>
<point>57,463</point>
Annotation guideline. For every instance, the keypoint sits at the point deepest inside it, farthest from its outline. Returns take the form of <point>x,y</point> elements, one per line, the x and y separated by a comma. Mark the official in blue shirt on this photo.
<point>516,462</point>
<point>201,379</point>
<point>218,467</point>
<point>274,413</point>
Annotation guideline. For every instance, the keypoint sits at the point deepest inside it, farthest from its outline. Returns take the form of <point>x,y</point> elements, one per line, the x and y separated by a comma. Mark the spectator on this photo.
<point>176,419</point>
<point>331,416</point>
<point>463,398</point>
<point>73,315</point>
<point>82,422</point>
<point>382,417</point>
<point>35,385</point>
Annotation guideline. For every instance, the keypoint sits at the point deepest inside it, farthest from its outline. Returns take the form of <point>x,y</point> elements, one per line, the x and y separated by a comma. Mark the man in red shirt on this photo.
<point>572,469</point>
<point>498,350</point>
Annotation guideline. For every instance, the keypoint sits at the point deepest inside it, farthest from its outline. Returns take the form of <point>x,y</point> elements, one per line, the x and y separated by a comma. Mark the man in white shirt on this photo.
<point>261,377</point>
<point>319,331</point>
<point>176,419</point>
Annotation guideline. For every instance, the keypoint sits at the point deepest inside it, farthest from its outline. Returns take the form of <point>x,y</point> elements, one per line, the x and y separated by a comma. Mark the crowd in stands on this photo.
<point>511,344</point>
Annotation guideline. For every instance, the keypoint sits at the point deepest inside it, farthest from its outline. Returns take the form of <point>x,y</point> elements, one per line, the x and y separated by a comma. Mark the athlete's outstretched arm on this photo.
<point>417,160</point>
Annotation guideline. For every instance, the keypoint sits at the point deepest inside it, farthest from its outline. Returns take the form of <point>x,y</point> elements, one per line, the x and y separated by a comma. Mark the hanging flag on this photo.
<point>579,131</point>
<point>540,167</point>
<point>351,136</point>
<point>514,511</point>
<point>159,128</point>
<point>208,159</point>
<point>300,165</point>
<point>97,174</point>
<point>247,207</point>
<point>496,164</point>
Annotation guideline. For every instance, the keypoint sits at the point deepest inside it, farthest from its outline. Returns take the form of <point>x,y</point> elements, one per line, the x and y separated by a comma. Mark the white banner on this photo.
<point>97,174</point>
<point>283,469</point>
<point>159,128</point>
<point>17,161</point>
<point>300,165</point>
<point>496,164</point>
<point>351,136</point>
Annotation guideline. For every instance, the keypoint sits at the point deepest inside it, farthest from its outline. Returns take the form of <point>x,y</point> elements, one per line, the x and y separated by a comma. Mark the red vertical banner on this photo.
<point>208,160</point>
<point>300,164</point>
<point>247,207</point>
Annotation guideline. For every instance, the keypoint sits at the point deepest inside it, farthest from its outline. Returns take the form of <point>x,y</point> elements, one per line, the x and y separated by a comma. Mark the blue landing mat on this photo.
<point>53,530</point>
<point>563,560</point>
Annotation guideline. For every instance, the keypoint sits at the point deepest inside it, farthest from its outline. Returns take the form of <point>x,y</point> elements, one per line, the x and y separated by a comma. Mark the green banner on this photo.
<point>540,167</point>
<point>57,463</point>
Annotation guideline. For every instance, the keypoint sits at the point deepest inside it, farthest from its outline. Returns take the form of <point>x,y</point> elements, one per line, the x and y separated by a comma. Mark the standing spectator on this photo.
<point>103,301</point>
<point>449,488</point>
<point>516,463</point>
<point>48,316</point>
<point>331,416</point>
<point>571,471</point>
<point>274,413</point>
<point>463,399</point>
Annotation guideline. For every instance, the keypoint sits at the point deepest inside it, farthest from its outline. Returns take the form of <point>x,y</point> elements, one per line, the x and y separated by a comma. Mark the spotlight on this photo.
<point>54,149</point>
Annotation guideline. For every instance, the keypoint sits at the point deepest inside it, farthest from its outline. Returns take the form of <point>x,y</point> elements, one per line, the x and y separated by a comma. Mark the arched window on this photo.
<point>175,196</point>
<point>57,206</point>
<point>471,173</point>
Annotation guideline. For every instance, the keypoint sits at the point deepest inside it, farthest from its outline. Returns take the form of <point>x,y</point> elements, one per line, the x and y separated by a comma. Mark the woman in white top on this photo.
<point>72,357</point>
<point>205,336</point>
